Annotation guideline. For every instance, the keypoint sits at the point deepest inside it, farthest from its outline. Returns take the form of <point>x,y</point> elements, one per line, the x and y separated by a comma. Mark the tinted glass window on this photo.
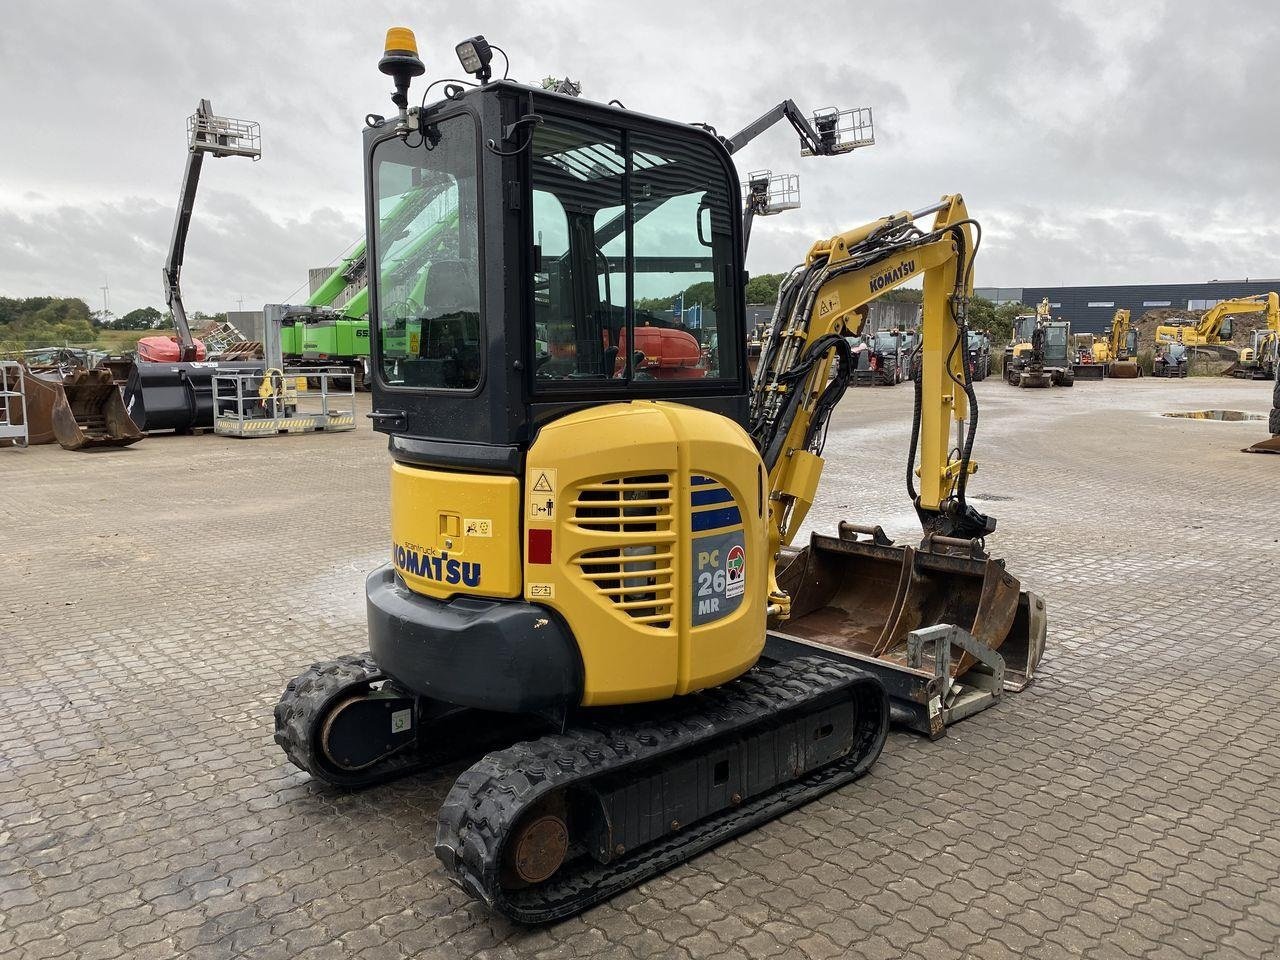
<point>427,253</point>
<point>633,253</point>
<point>683,238</point>
<point>579,277</point>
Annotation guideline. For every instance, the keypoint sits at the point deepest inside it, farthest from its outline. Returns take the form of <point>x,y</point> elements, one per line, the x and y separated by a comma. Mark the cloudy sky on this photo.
<point>1097,142</point>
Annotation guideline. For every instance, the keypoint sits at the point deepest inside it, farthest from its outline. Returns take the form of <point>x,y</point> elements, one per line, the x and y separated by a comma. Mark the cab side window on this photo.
<point>633,259</point>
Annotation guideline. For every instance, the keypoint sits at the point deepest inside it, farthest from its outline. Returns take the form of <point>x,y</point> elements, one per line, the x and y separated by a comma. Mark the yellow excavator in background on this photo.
<point>590,552</point>
<point>1214,328</point>
<point>1040,353</point>
<point>1117,352</point>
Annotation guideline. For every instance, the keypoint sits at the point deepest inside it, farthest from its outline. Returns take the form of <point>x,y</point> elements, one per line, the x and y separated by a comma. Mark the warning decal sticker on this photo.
<point>542,495</point>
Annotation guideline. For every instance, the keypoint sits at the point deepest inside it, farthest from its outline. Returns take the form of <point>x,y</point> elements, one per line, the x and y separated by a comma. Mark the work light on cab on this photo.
<point>475,54</point>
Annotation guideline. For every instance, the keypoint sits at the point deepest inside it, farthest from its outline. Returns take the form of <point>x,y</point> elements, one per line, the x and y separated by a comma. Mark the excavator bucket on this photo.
<point>1270,445</point>
<point>1089,371</point>
<point>175,396</point>
<point>1031,378</point>
<point>866,598</point>
<point>42,396</point>
<point>1124,369</point>
<point>88,412</point>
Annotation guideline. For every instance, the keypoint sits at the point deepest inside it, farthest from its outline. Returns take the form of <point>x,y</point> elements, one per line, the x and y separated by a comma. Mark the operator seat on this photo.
<point>449,349</point>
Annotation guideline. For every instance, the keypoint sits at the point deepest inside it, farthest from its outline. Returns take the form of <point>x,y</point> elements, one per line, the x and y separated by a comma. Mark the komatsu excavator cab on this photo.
<point>596,215</point>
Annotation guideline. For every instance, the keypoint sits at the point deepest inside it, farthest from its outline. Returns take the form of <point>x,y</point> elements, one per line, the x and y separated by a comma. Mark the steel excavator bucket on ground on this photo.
<point>1124,370</point>
<point>1089,371</point>
<point>176,396</point>
<point>865,597</point>
<point>89,413</point>
<point>1270,445</point>
<point>42,395</point>
<point>1031,378</point>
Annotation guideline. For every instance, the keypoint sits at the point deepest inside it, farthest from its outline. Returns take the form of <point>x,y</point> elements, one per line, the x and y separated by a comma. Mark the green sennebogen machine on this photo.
<point>320,333</point>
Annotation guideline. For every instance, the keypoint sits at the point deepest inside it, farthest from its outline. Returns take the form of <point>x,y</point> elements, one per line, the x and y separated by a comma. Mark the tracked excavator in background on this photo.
<point>1117,353</point>
<point>591,567</point>
<point>1213,330</point>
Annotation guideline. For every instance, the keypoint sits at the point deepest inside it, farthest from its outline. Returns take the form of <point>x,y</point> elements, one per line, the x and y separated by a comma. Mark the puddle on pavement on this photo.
<point>1226,415</point>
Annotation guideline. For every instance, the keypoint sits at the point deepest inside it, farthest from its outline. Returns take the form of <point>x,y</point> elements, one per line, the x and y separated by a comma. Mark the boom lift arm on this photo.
<point>831,131</point>
<point>824,300</point>
<point>222,137</point>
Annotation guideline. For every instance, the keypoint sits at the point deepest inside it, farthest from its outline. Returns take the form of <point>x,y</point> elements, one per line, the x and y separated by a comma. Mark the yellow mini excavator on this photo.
<point>592,503</point>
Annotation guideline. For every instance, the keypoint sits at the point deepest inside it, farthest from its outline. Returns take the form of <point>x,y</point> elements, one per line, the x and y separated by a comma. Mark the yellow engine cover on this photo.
<point>455,533</point>
<point>644,528</point>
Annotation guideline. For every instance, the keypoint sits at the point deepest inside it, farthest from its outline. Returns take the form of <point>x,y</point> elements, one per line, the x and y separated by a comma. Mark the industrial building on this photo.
<point>1090,309</point>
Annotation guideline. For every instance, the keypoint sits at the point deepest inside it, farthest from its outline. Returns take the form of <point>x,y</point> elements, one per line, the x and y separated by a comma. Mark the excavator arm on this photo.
<point>821,302</point>
<point>1118,348</point>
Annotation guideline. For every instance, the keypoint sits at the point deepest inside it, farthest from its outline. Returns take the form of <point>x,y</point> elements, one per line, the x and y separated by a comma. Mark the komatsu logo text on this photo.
<point>901,271</point>
<point>438,567</point>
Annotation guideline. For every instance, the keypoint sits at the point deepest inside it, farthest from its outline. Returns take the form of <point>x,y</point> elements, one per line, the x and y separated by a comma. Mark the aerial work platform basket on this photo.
<point>222,136</point>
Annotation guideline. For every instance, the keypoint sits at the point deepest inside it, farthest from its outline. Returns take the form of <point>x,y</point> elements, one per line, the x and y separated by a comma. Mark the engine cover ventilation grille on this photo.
<point>635,570</point>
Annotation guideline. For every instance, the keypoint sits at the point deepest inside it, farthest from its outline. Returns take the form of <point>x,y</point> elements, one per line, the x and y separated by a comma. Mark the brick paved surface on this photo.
<point>153,601</point>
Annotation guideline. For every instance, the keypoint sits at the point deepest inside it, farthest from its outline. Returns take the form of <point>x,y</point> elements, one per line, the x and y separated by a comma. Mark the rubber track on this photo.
<point>488,800</point>
<point>303,706</point>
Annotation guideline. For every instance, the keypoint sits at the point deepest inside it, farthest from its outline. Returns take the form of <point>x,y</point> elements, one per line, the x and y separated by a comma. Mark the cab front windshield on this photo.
<point>426,251</point>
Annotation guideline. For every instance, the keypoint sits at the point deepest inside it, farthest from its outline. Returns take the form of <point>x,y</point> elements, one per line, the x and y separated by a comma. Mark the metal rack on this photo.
<point>251,403</point>
<point>13,399</point>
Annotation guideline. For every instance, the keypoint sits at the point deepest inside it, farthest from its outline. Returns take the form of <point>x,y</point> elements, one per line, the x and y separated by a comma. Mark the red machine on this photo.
<point>669,354</point>
<point>166,350</point>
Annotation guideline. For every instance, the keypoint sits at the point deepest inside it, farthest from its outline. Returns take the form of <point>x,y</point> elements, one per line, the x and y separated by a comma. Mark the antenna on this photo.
<point>106,290</point>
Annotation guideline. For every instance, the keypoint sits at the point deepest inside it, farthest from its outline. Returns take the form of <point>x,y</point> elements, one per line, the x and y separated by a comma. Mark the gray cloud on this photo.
<point>1098,142</point>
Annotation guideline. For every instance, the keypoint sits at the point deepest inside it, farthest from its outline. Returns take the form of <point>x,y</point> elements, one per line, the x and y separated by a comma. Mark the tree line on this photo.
<point>43,321</point>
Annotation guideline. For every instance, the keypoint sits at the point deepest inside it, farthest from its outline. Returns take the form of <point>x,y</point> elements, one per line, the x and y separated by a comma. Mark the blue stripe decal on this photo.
<point>714,519</point>
<point>700,498</point>
<point>698,481</point>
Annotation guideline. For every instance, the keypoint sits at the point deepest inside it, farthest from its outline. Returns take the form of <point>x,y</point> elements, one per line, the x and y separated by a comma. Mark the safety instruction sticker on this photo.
<point>542,591</point>
<point>719,575</point>
<point>477,528</point>
<point>542,494</point>
<point>828,305</point>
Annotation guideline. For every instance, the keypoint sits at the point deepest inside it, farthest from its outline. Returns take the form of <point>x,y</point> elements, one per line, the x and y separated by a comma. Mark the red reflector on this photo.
<point>539,546</point>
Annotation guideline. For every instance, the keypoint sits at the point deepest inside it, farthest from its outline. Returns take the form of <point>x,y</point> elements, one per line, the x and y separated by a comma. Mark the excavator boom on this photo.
<point>858,593</point>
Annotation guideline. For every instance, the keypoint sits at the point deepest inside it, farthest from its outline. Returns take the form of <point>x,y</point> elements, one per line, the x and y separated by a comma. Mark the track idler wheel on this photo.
<point>343,723</point>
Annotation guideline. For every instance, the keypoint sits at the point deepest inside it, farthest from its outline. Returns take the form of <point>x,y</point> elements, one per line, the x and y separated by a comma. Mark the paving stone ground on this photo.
<point>153,602</point>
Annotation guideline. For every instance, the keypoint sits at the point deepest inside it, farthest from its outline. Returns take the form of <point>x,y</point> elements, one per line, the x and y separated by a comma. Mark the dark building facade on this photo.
<point>1090,308</point>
